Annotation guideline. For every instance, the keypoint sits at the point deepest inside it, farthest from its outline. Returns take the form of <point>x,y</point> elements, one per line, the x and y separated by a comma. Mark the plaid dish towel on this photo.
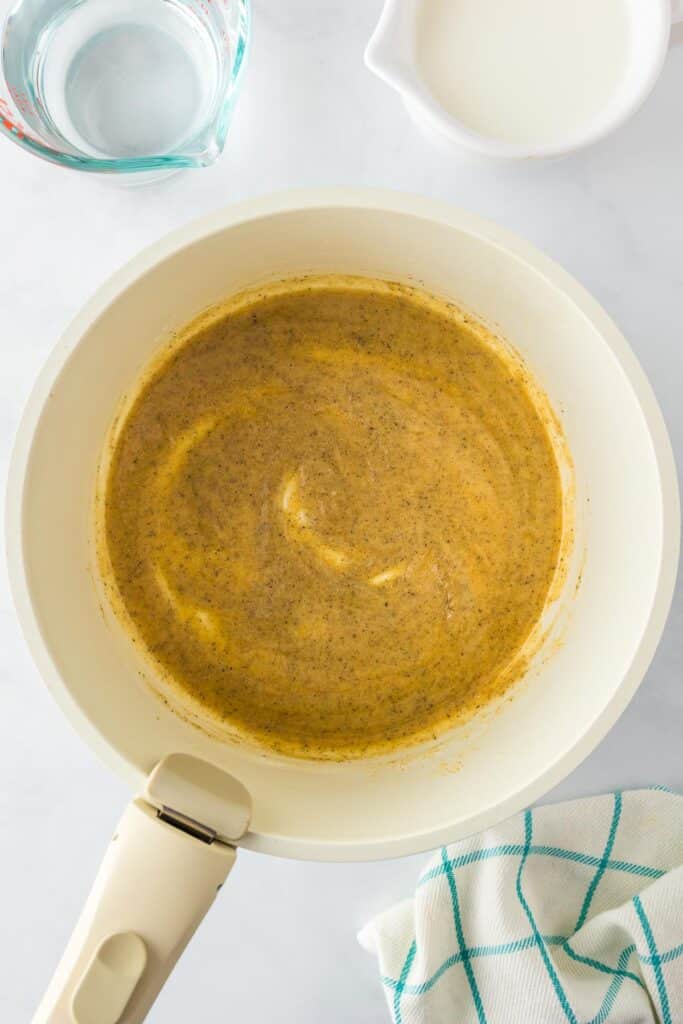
<point>572,912</point>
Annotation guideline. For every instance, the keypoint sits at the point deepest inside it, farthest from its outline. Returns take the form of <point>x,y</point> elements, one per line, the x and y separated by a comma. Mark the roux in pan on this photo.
<point>333,514</point>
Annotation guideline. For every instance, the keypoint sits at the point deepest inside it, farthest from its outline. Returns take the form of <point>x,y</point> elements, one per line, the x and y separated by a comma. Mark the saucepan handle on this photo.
<point>154,886</point>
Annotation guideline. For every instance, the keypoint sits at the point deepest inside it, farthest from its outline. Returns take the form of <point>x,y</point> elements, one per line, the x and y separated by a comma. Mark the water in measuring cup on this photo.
<point>127,79</point>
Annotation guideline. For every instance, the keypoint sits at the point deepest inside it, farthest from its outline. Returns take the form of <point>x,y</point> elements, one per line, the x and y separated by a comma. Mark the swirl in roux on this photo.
<point>333,514</point>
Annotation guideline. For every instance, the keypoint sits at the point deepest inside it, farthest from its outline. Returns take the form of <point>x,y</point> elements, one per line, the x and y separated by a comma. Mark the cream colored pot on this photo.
<point>157,882</point>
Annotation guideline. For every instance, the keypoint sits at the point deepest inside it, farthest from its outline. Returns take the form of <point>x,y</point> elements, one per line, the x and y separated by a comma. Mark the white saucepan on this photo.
<point>175,843</point>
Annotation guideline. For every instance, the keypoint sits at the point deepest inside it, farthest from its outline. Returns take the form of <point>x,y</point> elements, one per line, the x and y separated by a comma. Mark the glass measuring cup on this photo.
<point>118,86</point>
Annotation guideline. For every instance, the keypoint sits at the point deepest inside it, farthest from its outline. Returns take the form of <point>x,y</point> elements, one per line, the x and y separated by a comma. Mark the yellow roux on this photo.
<point>332,515</point>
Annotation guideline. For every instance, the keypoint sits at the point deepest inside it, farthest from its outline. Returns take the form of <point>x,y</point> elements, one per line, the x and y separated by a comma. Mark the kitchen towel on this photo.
<point>570,912</point>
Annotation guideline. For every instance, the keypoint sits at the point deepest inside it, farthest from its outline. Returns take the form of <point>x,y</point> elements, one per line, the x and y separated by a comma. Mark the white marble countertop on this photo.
<point>280,942</point>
